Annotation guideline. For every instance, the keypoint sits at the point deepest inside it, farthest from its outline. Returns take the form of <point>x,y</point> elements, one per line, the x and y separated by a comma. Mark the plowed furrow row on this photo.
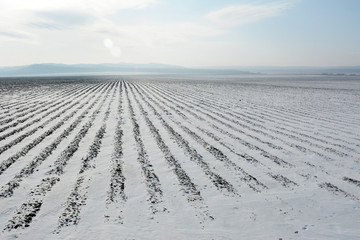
<point>243,154</point>
<point>222,116</point>
<point>51,120</point>
<point>37,120</point>
<point>193,195</point>
<point>8,189</point>
<point>179,156</point>
<point>264,153</point>
<point>29,209</point>
<point>301,131</point>
<point>219,182</point>
<point>299,119</point>
<point>34,108</point>
<point>293,145</point>
<point>151,179</point>
<point>308,126</point>
<point>32,104</point>
<point>18,104</point>
<point>261,111</point>
<point>24,110</point>
<point>251,108</point>
<point>331,119</point>
<point>116,196</point>
<point>293,112</point>
<point>40,108</point>
<point>8,162</point>
<point>65,156</point>
<point>283,180</point>
<point>353,181</point>
<point>304,150</point>
<point>48,110</point>
<point>337,191</point>
<point>78,196</point>
<point>283,123</point>
<point>250,180</point>
<point>208,133</point>
<point>55,105</point>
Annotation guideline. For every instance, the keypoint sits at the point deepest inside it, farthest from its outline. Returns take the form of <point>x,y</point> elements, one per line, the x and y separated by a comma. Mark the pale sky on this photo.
<point>187,33</point>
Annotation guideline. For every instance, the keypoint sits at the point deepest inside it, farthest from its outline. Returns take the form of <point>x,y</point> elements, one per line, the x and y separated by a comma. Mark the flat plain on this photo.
<point>180,157</point>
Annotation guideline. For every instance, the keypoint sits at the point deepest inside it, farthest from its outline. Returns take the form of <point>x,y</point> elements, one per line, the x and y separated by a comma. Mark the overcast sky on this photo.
<point>187,32</point>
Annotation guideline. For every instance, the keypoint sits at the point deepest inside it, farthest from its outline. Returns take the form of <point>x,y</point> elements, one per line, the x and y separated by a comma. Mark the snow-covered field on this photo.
<point>180,157</point>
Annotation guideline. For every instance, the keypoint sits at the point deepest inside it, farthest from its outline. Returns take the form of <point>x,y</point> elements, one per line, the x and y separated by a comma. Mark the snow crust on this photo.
<point>180,157</point>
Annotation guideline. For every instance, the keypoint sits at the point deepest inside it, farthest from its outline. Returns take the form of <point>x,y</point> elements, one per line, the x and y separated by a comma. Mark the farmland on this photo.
<point>180,157</point>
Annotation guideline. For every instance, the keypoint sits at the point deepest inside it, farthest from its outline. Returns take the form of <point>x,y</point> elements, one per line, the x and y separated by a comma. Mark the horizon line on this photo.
<point>175,65</point>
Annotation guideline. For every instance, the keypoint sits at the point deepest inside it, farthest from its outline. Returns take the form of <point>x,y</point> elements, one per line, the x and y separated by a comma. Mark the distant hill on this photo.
<point>118,68</point>
<point>341,70</point>
<point>60,69</point>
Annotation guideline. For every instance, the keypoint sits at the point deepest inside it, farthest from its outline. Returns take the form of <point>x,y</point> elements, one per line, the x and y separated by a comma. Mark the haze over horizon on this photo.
<point>186,33</point>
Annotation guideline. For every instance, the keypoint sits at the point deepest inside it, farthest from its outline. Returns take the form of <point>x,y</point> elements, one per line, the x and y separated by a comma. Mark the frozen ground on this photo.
<point>180,157</point>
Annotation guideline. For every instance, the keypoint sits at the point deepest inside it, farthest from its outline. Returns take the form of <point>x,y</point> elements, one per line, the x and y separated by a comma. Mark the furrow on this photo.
<point>8,189</point>
<point>29,209</point>
<point>270,118</point>
<point>283,180</point>
<point>299,119</point>
<point>264,153</point>
<point>296,113</point>
<point>293,145</point>
<point>222,116</point>
<point>337,191</point>
<point>353,181</point>
<point>37,120</point>
<point>334,151</point>
<point>193,195</point>
<point>208,133</point>
<point>273,115</point>
<point>78,196</point>
<point>219,182</point>
<point>151,179</point>
<point>250,180</point>
<point>8,162</point>
<point>29,133</point>
<point>116,193</point>
<point>42,108</point>
<point>18,114</point>
<point>301,149</point>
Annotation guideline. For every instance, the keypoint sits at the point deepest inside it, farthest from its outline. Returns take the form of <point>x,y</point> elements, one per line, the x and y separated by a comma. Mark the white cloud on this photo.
<point>27,15</point>
<point>246,13</point>
<point>103,7</point>
<point>21,12</point>
<point>151,35</point>
<point>160,34</point>
<point>16,35</point>
<point>74,30</point>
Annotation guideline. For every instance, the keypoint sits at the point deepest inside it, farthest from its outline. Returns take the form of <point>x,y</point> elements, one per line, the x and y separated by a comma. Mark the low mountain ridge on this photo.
<point>54,69</point>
